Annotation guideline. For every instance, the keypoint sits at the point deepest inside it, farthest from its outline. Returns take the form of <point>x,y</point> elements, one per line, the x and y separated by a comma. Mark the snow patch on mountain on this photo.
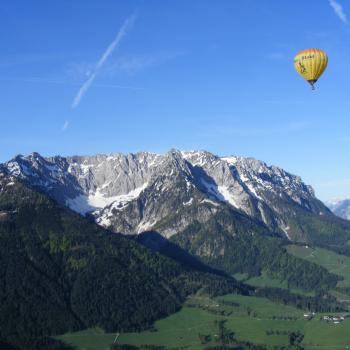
<point>228,196</point>
<point>145,226</point>
<point>215,204</point>
<point>110,187</point>
<point>230,160</point>
<point>285,230</point>
<point>189,202</point>
<point>83,204</point>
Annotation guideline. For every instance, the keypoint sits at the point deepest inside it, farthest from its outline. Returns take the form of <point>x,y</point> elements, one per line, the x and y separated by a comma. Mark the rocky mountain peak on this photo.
<point>138,191</point>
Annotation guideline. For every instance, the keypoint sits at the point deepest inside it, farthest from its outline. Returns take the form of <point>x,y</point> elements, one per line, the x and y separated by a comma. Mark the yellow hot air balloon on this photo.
<point>310,64</point>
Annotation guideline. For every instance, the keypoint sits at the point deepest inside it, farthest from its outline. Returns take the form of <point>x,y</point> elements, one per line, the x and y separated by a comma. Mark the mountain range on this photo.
<point>118,241</point>
<point>140,192</point>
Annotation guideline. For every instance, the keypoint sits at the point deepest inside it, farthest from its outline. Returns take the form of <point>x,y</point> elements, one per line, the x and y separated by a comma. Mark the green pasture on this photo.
<point>250,318</point>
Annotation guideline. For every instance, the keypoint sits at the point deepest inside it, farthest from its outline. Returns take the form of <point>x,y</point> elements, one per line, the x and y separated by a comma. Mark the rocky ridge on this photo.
<point>139,192</point>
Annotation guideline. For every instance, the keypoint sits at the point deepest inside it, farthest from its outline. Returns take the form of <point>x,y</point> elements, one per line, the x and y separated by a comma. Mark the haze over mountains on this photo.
<point>340,207</point>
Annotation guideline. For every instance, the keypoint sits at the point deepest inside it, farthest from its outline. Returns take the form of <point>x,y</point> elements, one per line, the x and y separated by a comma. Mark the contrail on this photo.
<point>114,44</point>
<point>339,11</point>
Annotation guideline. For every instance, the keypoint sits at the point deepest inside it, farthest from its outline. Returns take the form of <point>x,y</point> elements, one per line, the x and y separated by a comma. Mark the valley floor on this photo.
<point>257,320</point>
<point>252,319</point>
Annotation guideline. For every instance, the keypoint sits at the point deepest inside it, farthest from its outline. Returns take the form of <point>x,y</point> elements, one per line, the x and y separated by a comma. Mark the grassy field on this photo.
<point>249,318</point>
<point>255,319</point>
<point>265,281</point>
<point>333,262</point>
<point>93,338</point>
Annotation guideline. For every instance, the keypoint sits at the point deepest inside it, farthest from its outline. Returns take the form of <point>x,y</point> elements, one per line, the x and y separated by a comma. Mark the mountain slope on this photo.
<point>140,192</point>
<point>216,245</point>
<point>60,272</point>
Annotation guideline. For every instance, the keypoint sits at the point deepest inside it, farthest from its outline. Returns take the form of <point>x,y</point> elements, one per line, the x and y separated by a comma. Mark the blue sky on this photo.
<point>86,77</point>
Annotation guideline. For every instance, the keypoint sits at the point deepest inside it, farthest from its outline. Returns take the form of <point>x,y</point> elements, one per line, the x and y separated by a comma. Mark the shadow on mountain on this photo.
<point>157,243</point>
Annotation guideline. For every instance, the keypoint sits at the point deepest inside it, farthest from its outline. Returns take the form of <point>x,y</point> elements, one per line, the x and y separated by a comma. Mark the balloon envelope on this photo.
<point>310,64</point>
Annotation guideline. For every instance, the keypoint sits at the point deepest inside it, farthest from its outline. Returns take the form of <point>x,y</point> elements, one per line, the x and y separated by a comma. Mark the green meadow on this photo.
<point>266,281</point>
<point>257,320</point>
<point>252,319</point>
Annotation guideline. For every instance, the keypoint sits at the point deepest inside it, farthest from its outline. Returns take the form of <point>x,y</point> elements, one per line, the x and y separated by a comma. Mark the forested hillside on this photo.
<point>61,273</point>
<point>216,246</point>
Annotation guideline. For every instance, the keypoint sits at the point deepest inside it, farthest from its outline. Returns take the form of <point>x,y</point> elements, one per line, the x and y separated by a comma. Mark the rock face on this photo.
<point>138,192</point>
<point>340,208</point>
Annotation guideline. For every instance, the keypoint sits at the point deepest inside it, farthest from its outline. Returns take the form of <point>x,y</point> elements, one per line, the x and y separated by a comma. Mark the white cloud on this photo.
<point>339,11</point>
<point>65,125</point>
<point>93,73</point>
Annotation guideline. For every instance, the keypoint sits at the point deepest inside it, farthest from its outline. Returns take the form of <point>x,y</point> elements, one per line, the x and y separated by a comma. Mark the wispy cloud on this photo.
<point>338,10</point>
<point>65,125</point>
<point>114,44</point>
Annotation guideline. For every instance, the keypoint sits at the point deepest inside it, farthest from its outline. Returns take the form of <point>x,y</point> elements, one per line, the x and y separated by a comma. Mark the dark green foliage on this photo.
<point>226,340</point>
<point>319,303</point>
<point>31,343</point>
<point>343,249</point>
<point>239,346</point>
<point>320,230</point>
<point>157,243</point>
<point>295,339</point>
<point>245,252</point>
<point>62,273</point>
<point>133,347</point>
<point>344,290</point>
<point>204,338</point>
<point>225,336</point>
<point>4,345</point>
<point>283,266</point>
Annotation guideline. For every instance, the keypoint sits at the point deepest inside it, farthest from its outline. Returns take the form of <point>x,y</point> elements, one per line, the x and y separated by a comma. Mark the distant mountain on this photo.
<point>165,193</point>
<point>340,207</point>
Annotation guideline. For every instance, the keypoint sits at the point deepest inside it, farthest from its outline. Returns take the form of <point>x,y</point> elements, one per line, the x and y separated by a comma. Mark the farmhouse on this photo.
<point>336,319</point>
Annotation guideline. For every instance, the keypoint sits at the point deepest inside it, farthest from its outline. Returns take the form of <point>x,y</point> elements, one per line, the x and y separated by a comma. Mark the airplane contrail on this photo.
<point>339,11</point>
<point>128,23</point>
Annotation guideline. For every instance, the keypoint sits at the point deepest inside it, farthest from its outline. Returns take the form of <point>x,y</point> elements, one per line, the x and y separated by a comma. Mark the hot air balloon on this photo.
<point>310,64</point>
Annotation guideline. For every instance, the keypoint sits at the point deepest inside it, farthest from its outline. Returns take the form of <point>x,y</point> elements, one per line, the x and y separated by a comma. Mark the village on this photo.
<point>335,319</point>
<point>328,318</point>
